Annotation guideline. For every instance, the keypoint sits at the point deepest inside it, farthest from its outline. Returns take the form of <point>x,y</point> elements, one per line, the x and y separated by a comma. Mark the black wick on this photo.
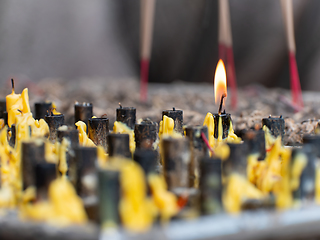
<point>12,83</point>
<point>221,102</point>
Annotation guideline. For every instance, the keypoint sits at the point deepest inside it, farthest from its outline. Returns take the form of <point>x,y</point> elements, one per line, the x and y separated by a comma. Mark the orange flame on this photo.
<point>220,82</point>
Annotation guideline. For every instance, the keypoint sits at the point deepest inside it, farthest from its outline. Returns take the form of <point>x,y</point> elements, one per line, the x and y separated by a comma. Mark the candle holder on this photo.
<point>226,119</point>
<point>210,186</point>
<point>145,134</point>
<point>45,173</point>
<point>118,145</point>
<point>237,160</point>
<point>147,159</point>
<point>255,140</point>
<point>83,112</point>
<point>54,122</point>
<point>198,149</point>
<point>177,116</point>
<point>313,141</point>
<point>42,109</point>
<point>275,125</point>
<point>306,189</point>
<point>98,129</point>
<point>176,161</point>
<point>126,115</point>
<point>109,197</point>
<point>32,153</point>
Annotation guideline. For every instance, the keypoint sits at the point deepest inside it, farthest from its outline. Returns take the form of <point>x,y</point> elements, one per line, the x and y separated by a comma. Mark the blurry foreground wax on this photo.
<point>145,134</point>
<point>42,109</point>
<point>109,197</point>
<point>32,154</point>
<point>69,133</point>
<point>83,112</point>
<point>177,116</point>
<point>54,122</point>
<point>3,108</point>
<point>313,141</point>
<point>210,186</point>
<point>198,150</point>
<point>126,115</point>
<point>275,125</point>
<point>176,161</point>
<point>118,145</point>
<point>98,130</point>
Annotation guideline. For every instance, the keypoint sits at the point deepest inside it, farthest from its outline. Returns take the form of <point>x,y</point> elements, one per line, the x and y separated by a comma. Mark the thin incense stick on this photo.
<point>287,11</point>
<point>146,24</point>
<point>225,48</point>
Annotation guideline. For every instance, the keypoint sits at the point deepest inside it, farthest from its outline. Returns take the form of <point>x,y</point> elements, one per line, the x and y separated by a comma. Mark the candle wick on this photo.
<point>19,110</point>
<point>221,103</point>
<point>12,84</point>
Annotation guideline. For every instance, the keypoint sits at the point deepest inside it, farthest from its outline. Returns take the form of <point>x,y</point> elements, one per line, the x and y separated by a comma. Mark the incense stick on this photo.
<point>225,48</point>
<point>294,74</point>
<point>146,24</point>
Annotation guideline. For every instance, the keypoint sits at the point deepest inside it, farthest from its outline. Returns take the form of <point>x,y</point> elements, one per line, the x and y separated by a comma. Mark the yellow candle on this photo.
<point>84,140</point>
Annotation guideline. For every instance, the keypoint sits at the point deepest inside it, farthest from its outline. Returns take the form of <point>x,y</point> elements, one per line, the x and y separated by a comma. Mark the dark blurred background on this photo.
<point>79,38</point>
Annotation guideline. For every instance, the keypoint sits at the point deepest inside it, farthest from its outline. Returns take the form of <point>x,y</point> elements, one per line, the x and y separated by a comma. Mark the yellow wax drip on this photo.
<point>63,166</point>
<point>84,140</point>
<point>209,122</point>
<point>122,128</point>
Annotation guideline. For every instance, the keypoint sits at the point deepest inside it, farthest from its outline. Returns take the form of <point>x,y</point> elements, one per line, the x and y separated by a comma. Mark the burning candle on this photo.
<point>126,115</point>
<point>42,109</point>
<point>177,116</point>
<point>98,131</point>
<point>145,134</point>
<point>83,112</point>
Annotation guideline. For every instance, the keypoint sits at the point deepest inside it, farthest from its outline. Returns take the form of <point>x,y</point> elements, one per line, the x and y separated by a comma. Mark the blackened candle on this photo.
<point>145,134</point>
<point>177,116</point>
<point>98,130</point>
<point>126,115</point>
<point>83,112</point>
<point>54,122</point>
<point>275,125</point>
<point>42,109</point>
<point>118,145</point>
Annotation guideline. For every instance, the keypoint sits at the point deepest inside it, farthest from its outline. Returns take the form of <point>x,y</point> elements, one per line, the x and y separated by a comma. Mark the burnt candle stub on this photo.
<point>83,112</point>
<point>147,159</point>
<point>45,174</point>
<point>306,189</point>
<point>127,115</point>
<point>32,154</point>
<point>226,119</point>
<point>54,122</point>
<point>98,130</point>
<point>118,145</point>
<point>210,186</point>
<point>176,160</point>
<point>198,149</point>
<point>12,140</point>
<point>109,196</point>
<point>177,116</point>
<point>255,140</point>
<point>313,141</point>
<point>275,125</point>
<point>3,108</point>
<point>237,160</point>
<point>41,109</point>
<point>145,134</point>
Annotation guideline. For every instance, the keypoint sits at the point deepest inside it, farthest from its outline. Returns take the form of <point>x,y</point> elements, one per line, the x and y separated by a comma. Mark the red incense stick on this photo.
<point>225,48</point>
<point>294,74</point>
<point>147,16</point>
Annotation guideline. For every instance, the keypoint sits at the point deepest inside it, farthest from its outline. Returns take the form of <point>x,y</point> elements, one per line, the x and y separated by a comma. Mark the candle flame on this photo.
<point>220,82</point>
